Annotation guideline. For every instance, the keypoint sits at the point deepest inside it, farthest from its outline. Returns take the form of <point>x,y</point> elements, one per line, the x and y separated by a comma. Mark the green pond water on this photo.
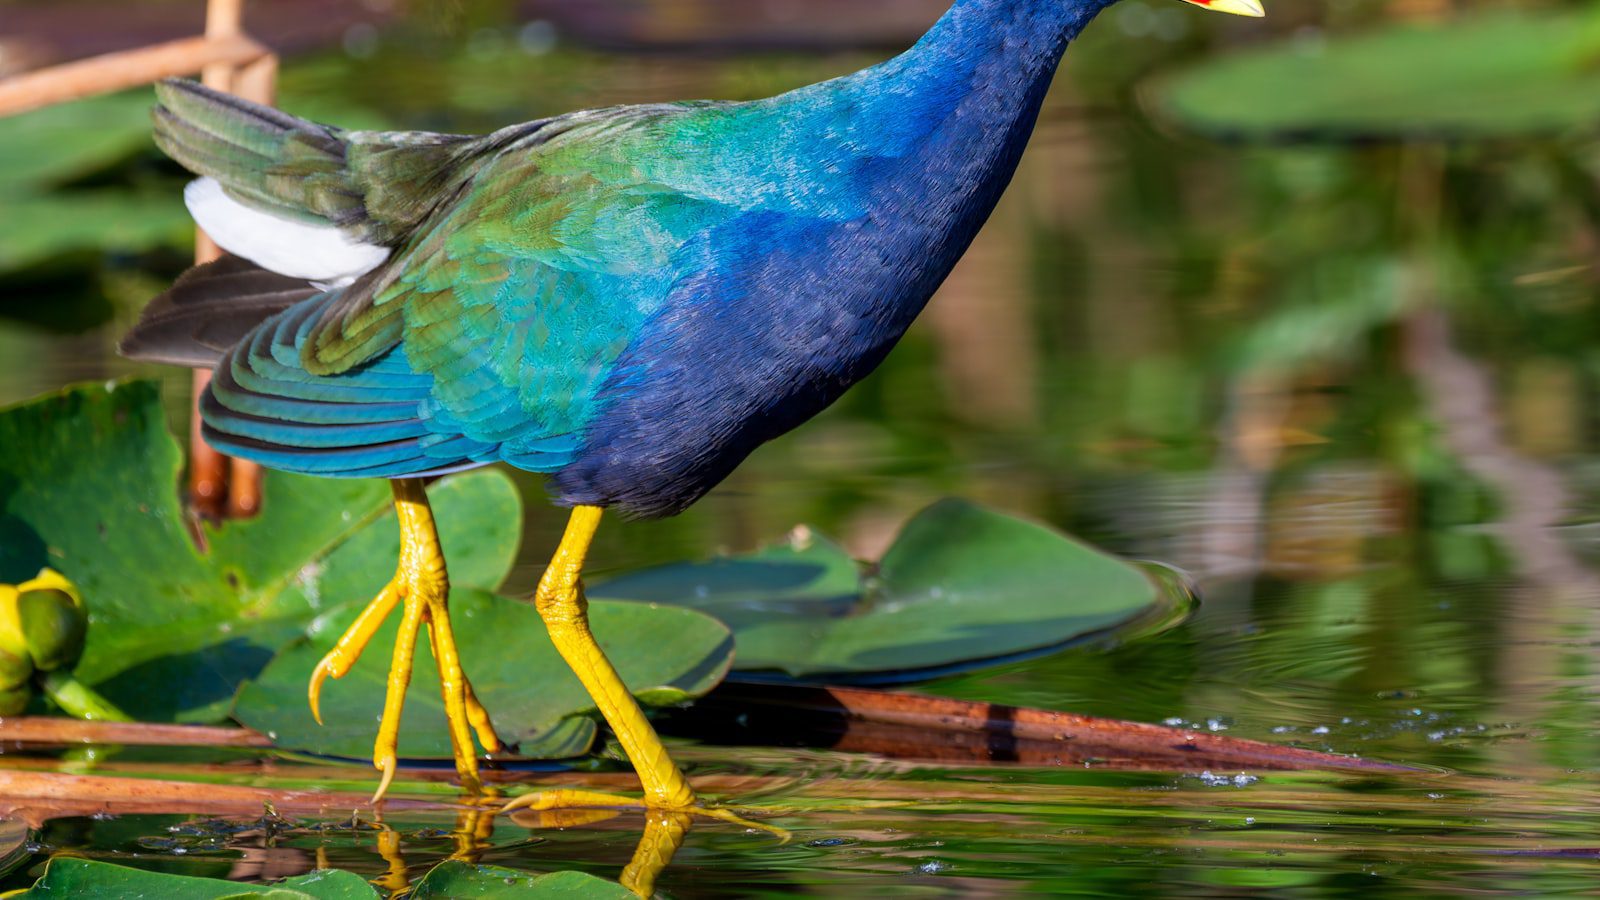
<point>1350,390</point>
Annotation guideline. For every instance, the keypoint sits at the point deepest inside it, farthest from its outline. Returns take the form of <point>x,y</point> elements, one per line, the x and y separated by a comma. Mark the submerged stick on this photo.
<point>38,797</point>
<point>917,726</point>
<point>54,730</point>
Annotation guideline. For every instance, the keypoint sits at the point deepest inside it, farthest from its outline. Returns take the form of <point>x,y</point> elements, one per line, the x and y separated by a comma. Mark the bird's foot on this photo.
<point>421,590</point>
<point>563,798</point>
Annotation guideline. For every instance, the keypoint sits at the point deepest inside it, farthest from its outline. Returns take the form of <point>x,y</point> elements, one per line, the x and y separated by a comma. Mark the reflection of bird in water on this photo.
<point>630,300</point>
<point>665,830</point>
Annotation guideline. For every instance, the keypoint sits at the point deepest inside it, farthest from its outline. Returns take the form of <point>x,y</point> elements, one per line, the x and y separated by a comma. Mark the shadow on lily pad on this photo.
<point>962,587</point>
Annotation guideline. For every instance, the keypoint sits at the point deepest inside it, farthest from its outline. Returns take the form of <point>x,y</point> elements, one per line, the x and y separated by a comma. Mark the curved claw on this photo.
<point>314,689</point>
<point>344,655</point>
<point>388,768</point>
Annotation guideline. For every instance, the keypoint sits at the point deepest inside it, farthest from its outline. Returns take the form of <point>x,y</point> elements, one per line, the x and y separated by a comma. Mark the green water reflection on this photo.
<point>1350,389</point>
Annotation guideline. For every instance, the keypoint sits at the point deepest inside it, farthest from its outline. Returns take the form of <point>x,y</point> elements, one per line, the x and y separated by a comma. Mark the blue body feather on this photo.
<point>633,300</point>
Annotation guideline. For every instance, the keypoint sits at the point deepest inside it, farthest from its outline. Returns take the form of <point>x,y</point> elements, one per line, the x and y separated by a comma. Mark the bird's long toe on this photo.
<point>565,798</point>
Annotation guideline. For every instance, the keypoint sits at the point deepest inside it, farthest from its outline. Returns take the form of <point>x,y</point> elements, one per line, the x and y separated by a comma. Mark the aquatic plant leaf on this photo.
<point>454,879</point>
<point>666,654</point>
<point>46,147</point>
<point>961,586</point>
<point>89,487</point>
<point>68,876</point>
<point>1486,75</point>
<point>37,228</point>
<point>43,149</point>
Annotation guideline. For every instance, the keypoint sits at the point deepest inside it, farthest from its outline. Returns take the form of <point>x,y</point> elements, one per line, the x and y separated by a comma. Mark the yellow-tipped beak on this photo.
<point>1251,8</point>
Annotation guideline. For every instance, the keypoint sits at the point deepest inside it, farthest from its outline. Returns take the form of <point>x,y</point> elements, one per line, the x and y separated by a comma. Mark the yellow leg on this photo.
<point>565,610</point>
<point>421,586</point>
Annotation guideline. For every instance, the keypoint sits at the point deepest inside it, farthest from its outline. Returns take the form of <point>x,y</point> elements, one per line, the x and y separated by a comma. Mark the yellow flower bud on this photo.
<point>42,626</point>
<point>54,626</point>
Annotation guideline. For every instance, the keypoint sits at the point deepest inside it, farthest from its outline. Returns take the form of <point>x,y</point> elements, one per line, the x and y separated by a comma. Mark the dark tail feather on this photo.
<point>375,185</point>
<point>208,310</point>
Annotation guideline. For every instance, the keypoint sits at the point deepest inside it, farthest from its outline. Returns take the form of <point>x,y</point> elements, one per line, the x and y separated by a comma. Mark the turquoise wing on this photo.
<point>489,336</point>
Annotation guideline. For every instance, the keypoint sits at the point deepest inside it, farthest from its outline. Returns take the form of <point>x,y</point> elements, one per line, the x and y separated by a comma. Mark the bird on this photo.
<point>629,300</point>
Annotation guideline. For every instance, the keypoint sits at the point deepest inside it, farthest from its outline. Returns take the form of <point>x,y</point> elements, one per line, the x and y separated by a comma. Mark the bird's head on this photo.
<point>1250,8</point>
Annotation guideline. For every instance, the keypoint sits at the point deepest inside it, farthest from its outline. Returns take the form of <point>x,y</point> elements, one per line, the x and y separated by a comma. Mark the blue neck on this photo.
<point>1030,34</point>
<point>955,113</point>
<point>1007,50</point>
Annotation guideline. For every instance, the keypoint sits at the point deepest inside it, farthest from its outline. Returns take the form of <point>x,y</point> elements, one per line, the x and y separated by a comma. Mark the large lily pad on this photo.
<point>43,148</point>
<point>37,228</point>
<point>456,880</point>
<point>961,586</point>
<point>1487,75</point>
<point>68,876</point>
<point>666,654</point>
<point>88,486</point>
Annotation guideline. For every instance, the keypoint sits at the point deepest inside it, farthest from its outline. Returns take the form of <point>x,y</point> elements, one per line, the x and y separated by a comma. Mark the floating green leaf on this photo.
<point>1487,75</point>
<point>89,487</point>
<point>666,654</point>
<point>45,147</point>
<point>456,880</point>
<point>34,229</point>
<point>962,584</point>
<point>67,876</point>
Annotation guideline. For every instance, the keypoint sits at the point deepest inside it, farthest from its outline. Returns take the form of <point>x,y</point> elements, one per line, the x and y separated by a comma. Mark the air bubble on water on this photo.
<point>1320,729</point>
<point>1216,725</point>
<point>932,867</point>
<point>1172,722</point>
<point>1211,779</point>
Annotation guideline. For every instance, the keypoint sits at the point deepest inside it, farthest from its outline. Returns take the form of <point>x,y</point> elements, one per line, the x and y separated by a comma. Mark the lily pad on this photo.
<point>1481,76</point>
<point>666,654</point>
<point>88,486</point>
<point>962,586</point>
<point>46,147</point>
<point>37,228</point>
<point>68,876</point>
<point>41,150</point>
<point>457,880</point>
